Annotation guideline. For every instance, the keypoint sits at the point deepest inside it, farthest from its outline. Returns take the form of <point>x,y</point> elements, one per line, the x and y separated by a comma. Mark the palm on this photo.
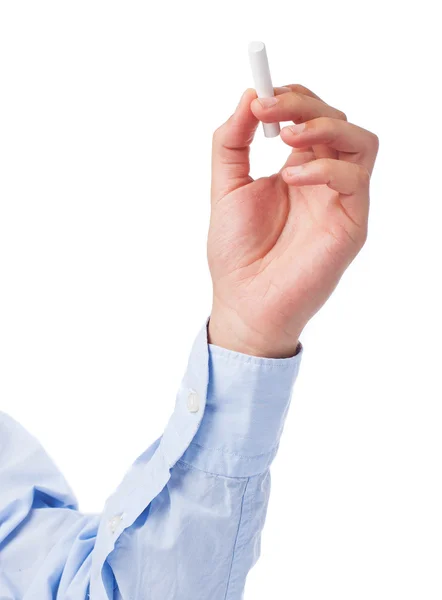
<point>287,240</point>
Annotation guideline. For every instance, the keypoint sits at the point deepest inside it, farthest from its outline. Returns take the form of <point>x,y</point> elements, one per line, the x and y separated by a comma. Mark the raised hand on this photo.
<point>278,245</point>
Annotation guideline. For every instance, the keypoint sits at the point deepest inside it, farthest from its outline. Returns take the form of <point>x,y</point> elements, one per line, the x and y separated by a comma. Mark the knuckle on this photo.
<point>298,88</point>
<point>328,126</point>
<point>218,134</point>
<point>323,122</point>
<point>342,115</point>
<point>375,141</point>
<point>302,90</point>
<point>294,95</point>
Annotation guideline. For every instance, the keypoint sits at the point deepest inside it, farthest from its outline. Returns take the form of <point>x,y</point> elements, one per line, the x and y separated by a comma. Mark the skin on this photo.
<point>278,245</point>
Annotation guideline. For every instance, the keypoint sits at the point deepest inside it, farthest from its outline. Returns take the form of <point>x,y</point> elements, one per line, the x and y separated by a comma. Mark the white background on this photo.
<point>106,116</point>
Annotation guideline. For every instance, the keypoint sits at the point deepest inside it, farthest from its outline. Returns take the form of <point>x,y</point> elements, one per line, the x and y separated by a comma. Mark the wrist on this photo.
<point>227,330</point>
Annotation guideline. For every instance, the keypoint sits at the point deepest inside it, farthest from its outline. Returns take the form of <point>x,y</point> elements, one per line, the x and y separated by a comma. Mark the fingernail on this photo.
<point>291,171</point>
<point>298,128</point>
<point>267,102</point>
<point>285,89</point>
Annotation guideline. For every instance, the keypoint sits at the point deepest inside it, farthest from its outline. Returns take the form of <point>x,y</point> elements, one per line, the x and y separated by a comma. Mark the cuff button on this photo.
<point>193,402</point>
<point>114,523</point>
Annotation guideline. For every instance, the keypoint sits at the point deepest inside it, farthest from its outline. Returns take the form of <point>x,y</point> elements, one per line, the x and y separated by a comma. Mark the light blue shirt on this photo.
<point>186,520</point>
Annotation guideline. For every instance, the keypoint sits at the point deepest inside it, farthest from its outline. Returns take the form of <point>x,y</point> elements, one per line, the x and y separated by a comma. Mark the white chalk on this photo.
<point>263,81</point>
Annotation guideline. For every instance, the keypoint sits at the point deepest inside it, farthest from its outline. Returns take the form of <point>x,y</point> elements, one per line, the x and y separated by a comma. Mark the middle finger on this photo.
<point>353,143</point>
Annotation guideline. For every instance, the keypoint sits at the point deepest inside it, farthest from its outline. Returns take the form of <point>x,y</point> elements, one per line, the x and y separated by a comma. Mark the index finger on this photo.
<point>293,106</point>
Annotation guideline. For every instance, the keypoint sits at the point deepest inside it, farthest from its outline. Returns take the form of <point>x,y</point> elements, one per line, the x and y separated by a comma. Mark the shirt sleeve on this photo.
<point>186,520</point>
<point>202,500</point>
<point>46,544</point>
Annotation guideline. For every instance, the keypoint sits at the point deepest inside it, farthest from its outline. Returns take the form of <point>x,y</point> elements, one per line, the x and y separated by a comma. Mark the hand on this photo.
<point>278,246</point>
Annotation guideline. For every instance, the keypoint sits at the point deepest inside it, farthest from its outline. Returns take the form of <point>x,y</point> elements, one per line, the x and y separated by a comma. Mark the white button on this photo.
<point>114,522</point>
<point>193,402</point>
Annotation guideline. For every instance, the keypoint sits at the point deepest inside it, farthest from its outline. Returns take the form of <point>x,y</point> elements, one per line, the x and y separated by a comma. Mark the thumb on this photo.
<point>231,149</point>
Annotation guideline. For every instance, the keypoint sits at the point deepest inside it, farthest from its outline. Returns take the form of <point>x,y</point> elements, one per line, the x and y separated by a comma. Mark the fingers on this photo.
<point>340,176</point>
<point>231,143</point>
<point>301,89</point>
<point>231,146</point>
<point>350,180</point>
<point>357,144</point>
<point>293,106</point>
<point>299,158</point>
<point>282,90</point>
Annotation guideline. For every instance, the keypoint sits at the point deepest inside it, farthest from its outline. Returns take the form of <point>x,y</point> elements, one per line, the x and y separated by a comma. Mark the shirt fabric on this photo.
<point>186,520</point>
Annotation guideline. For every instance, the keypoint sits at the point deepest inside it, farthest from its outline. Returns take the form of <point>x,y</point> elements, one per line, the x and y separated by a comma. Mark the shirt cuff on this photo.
<point>246,404</point>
